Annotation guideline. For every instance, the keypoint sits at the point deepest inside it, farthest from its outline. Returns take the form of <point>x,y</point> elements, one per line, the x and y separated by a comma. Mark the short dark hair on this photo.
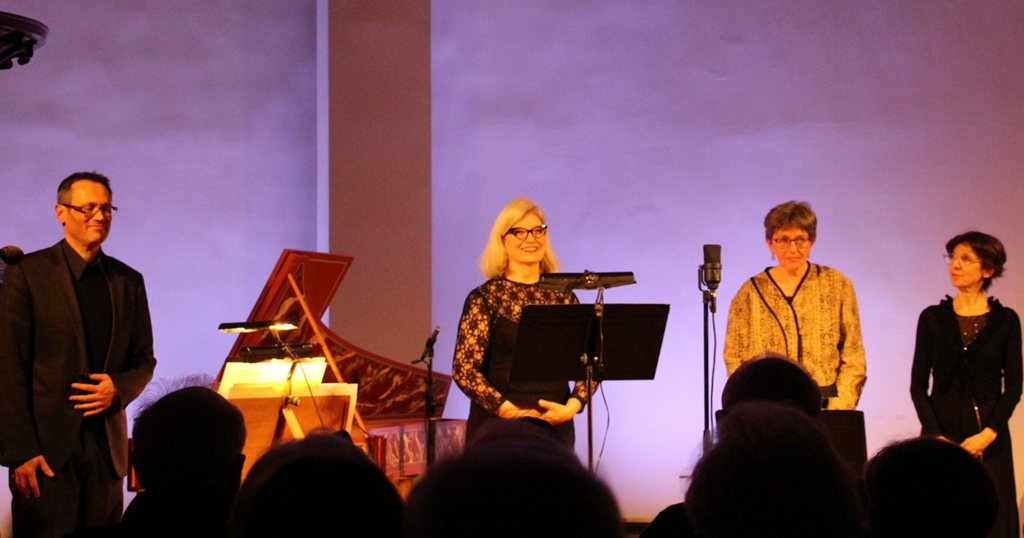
<point>481,493</point>
<point>929,487</point>
<point>322,474</point>
<point>773,472</point>
<point>64,190</point>
<point>190,437</point>
<point>989,250</point>
<point>772,377</point>
<point>791,214</point>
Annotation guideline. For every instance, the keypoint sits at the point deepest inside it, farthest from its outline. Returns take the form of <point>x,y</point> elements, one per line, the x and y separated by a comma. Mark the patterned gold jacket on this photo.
<point>818,327</point>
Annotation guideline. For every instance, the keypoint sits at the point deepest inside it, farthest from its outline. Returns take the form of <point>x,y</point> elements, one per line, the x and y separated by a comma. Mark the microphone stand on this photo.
<point>709,305</point>
<point>430,403</point>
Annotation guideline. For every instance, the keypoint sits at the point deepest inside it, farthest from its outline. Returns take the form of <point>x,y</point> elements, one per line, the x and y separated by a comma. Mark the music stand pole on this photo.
<point>590,364</point>
<point>590,417</point>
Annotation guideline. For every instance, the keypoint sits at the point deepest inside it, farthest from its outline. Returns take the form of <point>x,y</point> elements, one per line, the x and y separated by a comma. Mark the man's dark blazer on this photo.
<point>43,351</point>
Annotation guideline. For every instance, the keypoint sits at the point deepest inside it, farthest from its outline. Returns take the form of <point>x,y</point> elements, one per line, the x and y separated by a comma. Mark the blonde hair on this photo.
<point>494,259</point>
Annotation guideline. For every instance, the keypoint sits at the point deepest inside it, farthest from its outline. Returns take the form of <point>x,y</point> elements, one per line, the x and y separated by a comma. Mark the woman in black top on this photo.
<point>969,347</point>
<point>517,252</point>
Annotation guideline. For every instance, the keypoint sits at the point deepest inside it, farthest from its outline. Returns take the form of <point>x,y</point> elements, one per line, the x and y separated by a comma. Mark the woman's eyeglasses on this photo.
<point>522,233</point>
<point>963,259</point>
<point>784,242</point>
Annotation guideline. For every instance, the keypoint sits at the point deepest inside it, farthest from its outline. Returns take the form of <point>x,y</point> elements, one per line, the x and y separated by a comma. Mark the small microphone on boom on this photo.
<point>428,349</point>
<point>11,255</point>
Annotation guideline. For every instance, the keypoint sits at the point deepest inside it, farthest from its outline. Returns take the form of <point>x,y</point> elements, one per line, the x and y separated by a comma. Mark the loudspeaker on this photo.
<point>847,431</point>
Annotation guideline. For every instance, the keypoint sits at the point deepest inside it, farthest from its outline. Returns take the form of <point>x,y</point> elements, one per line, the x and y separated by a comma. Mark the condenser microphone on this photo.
<point>11,255</point>
<point>712,267</point>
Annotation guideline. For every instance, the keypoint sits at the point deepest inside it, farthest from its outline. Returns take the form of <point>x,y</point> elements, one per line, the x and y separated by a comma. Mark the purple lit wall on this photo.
<point>203,116</point>
<point>646,129</point>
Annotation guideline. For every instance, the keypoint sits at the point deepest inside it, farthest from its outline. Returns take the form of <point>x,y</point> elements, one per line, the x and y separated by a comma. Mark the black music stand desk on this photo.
<point>556,343</point>
<point>552,339</point>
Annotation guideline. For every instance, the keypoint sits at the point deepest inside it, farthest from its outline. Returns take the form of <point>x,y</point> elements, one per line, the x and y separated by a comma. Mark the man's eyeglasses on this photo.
<point>522,233</point>
<point>784,242</point>
<point>90,210</point>
<point>963,259</point>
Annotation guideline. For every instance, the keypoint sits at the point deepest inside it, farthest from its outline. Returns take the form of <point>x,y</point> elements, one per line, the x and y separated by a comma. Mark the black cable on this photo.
<point>714,368</point>
<point>607,426</point>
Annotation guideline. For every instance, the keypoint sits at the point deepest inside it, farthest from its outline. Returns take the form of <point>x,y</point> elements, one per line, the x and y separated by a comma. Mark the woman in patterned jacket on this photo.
<point>805,311</point>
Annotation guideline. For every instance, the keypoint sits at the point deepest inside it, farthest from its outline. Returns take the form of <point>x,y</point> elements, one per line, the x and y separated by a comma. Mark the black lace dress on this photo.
<point>485,347</point>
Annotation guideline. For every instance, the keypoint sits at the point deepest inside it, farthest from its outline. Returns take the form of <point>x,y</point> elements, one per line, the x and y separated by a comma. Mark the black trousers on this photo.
<point>83,493</point>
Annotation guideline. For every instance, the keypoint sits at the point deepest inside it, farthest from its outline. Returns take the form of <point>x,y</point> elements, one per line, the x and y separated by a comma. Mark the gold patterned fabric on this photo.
<point>818,327</point>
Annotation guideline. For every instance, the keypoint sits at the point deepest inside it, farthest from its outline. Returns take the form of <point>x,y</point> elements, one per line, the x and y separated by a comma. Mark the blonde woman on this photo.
<point>517,252</point>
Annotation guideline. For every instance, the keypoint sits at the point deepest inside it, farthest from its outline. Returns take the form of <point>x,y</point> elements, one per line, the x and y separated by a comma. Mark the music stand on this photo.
<point>587,280</point>
<point>592,342</point>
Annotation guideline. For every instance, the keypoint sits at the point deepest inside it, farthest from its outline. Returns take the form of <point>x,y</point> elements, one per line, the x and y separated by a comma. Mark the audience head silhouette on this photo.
<point>188,458</point>
<point>322,485</point>
<point>531,428</point>
<point>769,377</point>
<point>505,485</point>
<point>189,439</point>
<point>773,472</point>
<point>928,487</point>
<point>772,377</point>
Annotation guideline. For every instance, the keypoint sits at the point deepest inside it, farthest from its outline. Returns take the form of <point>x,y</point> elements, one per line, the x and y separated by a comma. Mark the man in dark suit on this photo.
<point>76,347</point>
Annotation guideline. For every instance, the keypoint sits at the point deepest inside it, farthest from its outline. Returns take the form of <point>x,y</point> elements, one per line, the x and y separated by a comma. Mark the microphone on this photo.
<point>433,337</point>
<point>711,273</point>
<point>428,349</point>
<point>11,255</point>
<point>712,266</point>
